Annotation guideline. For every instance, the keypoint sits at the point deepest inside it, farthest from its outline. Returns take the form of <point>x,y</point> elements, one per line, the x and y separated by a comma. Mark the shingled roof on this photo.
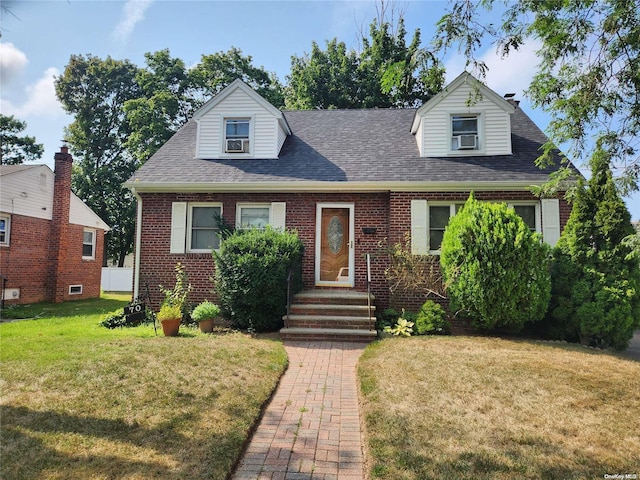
<point>341,149</point>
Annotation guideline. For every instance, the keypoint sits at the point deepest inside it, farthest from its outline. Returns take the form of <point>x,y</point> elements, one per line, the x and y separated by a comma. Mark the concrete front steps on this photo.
<point>330,315</point>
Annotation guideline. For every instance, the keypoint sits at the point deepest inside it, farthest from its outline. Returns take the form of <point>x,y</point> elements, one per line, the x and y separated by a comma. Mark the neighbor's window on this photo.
<point>252,216</point>
<point>4,230</point>
<point>528,213</point>
<point>237,135</point>
<point>89,244</point>
<point>464,132</point>
<point>203,227</point>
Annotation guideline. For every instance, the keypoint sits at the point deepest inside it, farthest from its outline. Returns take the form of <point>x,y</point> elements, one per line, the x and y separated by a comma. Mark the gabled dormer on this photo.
<point>239,124</point>
<point>466,119</point>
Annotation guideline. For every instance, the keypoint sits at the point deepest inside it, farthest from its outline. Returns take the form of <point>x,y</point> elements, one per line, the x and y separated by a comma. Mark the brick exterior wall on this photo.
<point>44,257</point>
<point>388,213</point>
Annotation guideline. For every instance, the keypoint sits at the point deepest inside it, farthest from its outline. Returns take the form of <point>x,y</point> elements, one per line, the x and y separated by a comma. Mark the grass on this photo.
<point>81,401</point>
<point>482,408</point>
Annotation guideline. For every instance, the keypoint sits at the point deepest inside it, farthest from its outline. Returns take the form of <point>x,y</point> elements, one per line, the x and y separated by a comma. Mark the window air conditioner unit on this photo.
<point>467,142</point>
<point>235,145</point>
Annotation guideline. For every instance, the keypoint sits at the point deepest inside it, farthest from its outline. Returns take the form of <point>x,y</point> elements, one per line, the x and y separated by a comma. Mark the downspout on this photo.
<point>136,266</point>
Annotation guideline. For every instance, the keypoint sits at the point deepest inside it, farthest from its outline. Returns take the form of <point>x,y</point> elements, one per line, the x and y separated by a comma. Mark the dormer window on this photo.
<point>236,138</point>
<point>464,132</point>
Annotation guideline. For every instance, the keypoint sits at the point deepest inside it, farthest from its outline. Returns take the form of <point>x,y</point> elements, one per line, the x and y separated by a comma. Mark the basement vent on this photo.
<point>75,289</point>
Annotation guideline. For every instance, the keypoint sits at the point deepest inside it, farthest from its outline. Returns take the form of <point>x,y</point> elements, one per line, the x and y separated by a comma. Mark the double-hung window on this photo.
<point>530,214</point>
<point>203,229</point>
<point>4,230</point>
<point>252,215</point>
<point>428,223</point>
<point>88,244</point>
<point>464,132</point>
<point>237,132</point>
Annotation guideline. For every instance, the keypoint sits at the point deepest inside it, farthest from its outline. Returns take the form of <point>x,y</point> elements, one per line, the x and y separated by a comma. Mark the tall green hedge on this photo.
<point>496,270</point>
<point>252,267</point>
<point>596,276</point>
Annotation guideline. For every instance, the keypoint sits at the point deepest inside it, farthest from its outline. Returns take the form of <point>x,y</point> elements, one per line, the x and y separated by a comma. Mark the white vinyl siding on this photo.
<point>494,127</point>
<point>28,192</point>
<point>264,128</point>
<point>550,220</point>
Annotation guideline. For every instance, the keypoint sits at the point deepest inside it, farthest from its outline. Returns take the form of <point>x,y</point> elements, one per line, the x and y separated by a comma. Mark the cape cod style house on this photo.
<point>345,180</point>
<point>51,243</point>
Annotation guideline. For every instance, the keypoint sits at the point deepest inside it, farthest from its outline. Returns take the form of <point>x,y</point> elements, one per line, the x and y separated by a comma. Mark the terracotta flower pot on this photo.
<point>171,327</point>
<point>206,326</point>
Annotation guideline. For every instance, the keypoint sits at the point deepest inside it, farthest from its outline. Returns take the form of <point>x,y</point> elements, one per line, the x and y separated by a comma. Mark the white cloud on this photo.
<point>41,99</point>
<point>511,74</point>
<point>132,13</point>
<point>12,61</point>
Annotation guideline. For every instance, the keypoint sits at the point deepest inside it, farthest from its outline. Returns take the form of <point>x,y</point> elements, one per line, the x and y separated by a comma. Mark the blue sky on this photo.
<point>38,37</point>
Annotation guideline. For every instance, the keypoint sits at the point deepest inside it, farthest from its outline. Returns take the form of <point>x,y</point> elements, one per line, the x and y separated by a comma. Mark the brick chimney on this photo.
<point>59,246</point>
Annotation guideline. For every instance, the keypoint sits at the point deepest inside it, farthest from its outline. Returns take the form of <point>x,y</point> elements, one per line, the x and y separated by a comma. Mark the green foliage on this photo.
<point>17,149</point>
<point>386,73</point>
<point>252,267</point>
<point>205,311</point>
<point>596,275</point>
<point>402,328</point>
<point>431,319</point>
<point>118,319</point>
<point>496,270</point>
<point>169,311</point>
<point>94,91</point>
<point>178,296</point>
<point>579,42</point>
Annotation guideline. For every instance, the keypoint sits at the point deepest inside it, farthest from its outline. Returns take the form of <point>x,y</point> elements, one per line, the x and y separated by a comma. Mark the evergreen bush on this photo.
<point>431,319</point>
<point>596,276</point>
<point>496,270</point>
<point>252,267</point>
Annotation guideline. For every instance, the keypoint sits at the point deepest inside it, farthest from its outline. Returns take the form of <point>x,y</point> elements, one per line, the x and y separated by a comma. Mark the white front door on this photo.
<point>334,244</point>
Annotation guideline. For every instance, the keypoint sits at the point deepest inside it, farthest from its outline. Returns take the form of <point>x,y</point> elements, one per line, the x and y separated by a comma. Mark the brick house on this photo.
<point>51,243</point>
<point>344,179</point>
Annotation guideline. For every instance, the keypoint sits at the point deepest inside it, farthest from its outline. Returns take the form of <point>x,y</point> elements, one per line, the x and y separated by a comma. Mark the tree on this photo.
<point>596,280</point>
<point>94,91</point>
<point>496,270</point>
<point>216,71</point>
<point>386,73</point>
<point>17,149</point>
<point>588,78</point>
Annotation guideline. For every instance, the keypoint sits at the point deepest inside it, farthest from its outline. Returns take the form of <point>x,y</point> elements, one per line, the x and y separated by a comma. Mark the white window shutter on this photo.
<point>278,215</point>
<point>419,227</point>
<point>178,227</point>
<point>550,220</point>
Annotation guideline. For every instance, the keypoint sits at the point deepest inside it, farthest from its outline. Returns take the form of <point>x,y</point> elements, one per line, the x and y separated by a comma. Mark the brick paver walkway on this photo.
<point>311,428</point>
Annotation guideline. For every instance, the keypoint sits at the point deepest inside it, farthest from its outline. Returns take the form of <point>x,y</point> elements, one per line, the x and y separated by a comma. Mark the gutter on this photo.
<point>136,267</point>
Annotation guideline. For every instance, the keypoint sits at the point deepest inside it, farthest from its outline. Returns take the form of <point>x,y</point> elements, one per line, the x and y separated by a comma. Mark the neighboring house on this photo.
<point>344,179</point>
<point>51,243</point>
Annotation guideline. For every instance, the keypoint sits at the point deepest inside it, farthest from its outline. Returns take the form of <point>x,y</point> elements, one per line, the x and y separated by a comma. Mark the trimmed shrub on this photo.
<point>496,270</point>
<point>431,319</point>
<point>252,267</point>
<point>596,276</point>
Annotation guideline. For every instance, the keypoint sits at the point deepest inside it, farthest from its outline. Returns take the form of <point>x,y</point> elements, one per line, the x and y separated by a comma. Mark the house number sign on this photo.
<point>135,311</point>
<point>335,233</point>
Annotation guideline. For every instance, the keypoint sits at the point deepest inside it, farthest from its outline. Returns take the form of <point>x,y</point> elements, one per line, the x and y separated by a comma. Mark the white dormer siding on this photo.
<point>433,125</point>
<point>267,131</point>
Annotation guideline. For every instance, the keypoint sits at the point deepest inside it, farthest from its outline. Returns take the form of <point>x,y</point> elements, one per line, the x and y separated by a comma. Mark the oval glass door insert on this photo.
<point>335,234</point>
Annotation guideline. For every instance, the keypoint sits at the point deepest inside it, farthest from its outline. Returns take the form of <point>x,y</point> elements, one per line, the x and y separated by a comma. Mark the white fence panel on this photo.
<point>117,279</point>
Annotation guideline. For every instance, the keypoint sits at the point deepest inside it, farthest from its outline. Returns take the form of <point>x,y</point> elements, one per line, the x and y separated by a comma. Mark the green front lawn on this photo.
<point>81,401</point>
<point>484,408</point>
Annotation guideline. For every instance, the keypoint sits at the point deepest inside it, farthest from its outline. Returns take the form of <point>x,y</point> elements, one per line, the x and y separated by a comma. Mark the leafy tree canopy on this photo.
<point>16,148</point>
<point>588,78</point>
<point>386,73</point>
